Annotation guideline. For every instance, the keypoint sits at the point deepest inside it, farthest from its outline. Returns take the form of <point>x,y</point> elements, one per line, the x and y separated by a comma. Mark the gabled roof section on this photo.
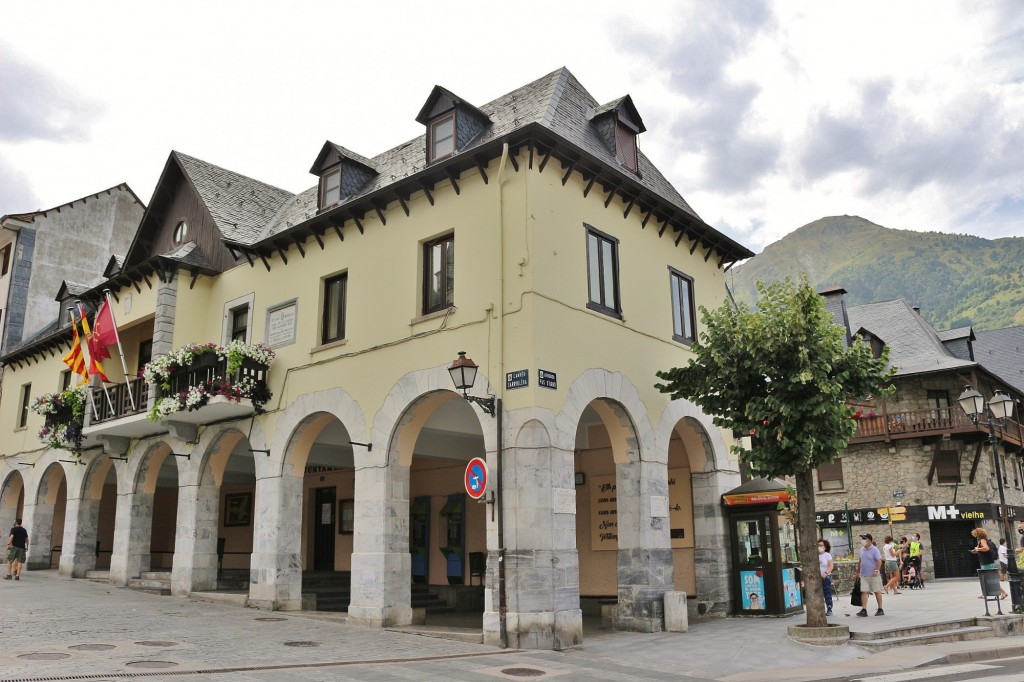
<point>71,289</point>
<point>240,206</point>
<point>956,334</point>
<point>625,106</point>
<point>448,98</point>
<point>331,153</point>
<point>1002,352</point>
<point>914,346</point>
<point>191,255</point>
<point>31,215</point>
<point>114,265</point>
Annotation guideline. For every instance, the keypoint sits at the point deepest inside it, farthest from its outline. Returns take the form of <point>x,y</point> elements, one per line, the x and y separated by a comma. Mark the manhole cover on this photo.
<point>156,643</point>
<point>302,643</point>
<point>270,619</point>
<point>44,657</point>
<point>150,664</point>
<point>522,672</point>
<point>92,647</point>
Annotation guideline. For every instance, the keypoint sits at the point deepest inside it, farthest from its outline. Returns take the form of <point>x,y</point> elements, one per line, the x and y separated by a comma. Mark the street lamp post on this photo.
<point>999,407</point>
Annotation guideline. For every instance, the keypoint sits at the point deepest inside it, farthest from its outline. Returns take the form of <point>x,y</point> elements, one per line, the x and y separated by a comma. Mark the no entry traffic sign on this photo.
<point>476,478</point>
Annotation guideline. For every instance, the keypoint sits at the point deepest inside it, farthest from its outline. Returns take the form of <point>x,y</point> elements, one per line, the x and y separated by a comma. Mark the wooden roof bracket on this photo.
<point>647,217</point>
<point>426,191</point>
<point>454,177</point>
<point>402,200</point>
<point>298,245</point>
<point>664,225</point>
<point>590,184</point>
<point>380,214</point>
<point>977,458</point>
<point>263,258</point>
<point>512,159</point>
<point>679,237</point>
<point>195,276</point>
<point>481,167</point>
<point>319,236</point>
<point>544,160</point>
<point>695,243</point>
<point>359,224</point>
<point>284,256</point>
<point>629,207</point>
<point>710,250</point>
<point>531,156</point>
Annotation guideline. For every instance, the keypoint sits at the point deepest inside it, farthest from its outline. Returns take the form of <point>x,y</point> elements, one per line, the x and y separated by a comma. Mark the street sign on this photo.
<point>546,379</point>
<point>898,493</point>
<point>517,379</point>
<point>476,478</point>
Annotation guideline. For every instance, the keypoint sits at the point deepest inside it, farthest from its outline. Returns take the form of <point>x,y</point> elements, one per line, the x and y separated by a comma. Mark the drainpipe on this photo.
<point>500,502</point>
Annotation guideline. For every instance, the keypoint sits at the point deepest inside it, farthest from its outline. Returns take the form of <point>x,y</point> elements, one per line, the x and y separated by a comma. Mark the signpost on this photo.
<point>476,478</point>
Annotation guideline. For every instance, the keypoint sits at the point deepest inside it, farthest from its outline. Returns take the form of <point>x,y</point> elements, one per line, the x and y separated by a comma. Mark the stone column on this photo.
<point>7,517</point>
<point>195,543</point>
<point>381,565</point>
<point>276,571</point>
<point>133,529</point>
<point>541,560</point>
<point>711,555</point>
<point>644,557</point>
<point>81,520</point>
<point>38,521</point>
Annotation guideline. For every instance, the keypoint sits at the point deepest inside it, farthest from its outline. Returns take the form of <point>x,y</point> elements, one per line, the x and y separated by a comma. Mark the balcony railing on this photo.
<point>928,422</point>
<point>114,401</point>
<point>209,367</point>
<point>65,414</point>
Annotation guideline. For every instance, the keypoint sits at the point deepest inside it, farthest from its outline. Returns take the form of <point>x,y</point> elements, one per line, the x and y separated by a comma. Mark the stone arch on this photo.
<point>45,520</point>
<point>617,402</point>
<point>152,459</point>
<point>11,492</point>
<point>698,430</point>
<point>82,541</point>
<point>305,410</point>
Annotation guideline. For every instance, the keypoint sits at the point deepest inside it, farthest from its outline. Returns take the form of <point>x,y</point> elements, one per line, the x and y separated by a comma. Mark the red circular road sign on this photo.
<point>476,478</point>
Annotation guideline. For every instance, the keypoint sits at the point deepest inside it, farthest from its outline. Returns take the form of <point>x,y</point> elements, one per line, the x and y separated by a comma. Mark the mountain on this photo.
<point>955,279</point>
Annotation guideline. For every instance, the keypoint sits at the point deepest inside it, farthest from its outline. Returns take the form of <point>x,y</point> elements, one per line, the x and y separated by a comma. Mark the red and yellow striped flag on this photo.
<point>74,358</point>
<point>95,366</point>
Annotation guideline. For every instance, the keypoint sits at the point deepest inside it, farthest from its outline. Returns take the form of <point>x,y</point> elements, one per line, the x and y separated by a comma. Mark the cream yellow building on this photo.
<point>578,272</point>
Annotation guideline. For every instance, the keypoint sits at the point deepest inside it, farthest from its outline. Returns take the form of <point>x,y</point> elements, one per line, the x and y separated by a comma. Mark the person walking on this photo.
<point>826,566</point>
<point>869,570</point>
<point>17,546</point>
<point>1004,560</point>
<point>916,548</point>
<point>892,565</point>
<point>987,555</point>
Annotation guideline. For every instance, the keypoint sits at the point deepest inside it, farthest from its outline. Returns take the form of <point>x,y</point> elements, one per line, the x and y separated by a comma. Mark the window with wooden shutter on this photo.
<point>830,476</point>
<point>947,466</point>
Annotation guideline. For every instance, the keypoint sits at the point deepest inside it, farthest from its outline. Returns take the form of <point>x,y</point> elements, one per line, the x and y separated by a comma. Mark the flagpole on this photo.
<point>120,350</point>
<point>81,349</point>
<point>110,403</point>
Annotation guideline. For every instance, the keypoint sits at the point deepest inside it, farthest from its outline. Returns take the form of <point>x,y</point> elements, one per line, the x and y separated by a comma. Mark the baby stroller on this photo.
<point>911,579</point>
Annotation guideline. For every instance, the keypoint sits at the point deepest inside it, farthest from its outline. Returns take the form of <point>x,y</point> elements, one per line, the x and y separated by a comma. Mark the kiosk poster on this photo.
<point>752,588</point>
<point>791,588</point>
<point>604,530</point>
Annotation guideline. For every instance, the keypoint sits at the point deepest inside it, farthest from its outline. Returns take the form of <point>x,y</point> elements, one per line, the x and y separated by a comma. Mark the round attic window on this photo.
<point>180,232</point>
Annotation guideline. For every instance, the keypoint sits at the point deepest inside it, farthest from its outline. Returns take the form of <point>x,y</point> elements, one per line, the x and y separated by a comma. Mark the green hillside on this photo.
<point>955,279</point>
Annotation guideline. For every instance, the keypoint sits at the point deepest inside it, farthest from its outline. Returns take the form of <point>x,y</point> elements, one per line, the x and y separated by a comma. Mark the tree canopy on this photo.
<point>781,373</point>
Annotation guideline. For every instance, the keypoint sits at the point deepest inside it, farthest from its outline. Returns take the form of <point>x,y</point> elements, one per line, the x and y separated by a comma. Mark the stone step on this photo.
<point>152,586</point>
<point>913,630</point>
<point>956,635</point>
<point>455,634</point>
<point>232,598</point>
<point>155,575</point>
<point>226,585</point>
<point>98,576</point>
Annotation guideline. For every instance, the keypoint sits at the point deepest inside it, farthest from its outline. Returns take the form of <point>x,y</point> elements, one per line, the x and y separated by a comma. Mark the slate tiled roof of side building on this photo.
<point>1002,352</point>
<point>241,206</point>
<point>556,101</point>
<point>914,345</point>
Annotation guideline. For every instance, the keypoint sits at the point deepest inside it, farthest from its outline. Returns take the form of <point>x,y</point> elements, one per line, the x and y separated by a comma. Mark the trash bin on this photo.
<point>989,579</point>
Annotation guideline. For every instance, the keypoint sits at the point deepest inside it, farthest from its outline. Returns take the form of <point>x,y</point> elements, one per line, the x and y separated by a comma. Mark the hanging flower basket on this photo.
<point>65,415</point>
<point>188,377</point>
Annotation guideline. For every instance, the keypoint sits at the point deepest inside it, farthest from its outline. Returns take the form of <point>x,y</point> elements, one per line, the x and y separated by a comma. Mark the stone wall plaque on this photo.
<point>563,501</point>
<point>281,322</point>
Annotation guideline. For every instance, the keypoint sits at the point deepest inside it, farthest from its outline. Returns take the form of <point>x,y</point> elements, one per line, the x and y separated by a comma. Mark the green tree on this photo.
<point>782,373</point>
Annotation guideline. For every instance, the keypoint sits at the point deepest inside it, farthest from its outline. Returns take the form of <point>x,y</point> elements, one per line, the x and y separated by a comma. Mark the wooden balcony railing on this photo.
<point>114,402</point>
<point>928,422</point>
<point>210,368</point>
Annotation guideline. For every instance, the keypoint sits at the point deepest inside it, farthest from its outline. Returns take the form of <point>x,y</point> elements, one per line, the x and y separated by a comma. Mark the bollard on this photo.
<point>676,618</point>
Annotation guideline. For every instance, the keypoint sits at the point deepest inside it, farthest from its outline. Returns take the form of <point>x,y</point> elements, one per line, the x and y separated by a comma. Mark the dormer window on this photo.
<point>625,145</point>
<point>330,187</point>
<point>617,124</point>
<point>441,142</point>
<point>342,174</point>
<point>874,343</point>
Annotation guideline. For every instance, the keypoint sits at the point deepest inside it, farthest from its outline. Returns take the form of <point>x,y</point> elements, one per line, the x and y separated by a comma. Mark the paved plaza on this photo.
<point>55,629</point>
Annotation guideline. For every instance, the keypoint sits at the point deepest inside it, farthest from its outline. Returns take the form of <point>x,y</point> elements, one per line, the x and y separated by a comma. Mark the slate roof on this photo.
<point>1002,352</point>
<point>914,346</point>
<point>190,254</point>
<point>557,101</point>
<point>241,206</point>
<point>954,334</point>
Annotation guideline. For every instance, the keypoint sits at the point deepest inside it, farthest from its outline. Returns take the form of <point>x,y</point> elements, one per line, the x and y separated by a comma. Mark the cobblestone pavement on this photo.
<point>58,629</point>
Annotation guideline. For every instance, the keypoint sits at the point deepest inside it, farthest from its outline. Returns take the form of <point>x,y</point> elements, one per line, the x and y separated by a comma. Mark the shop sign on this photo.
<point>517,379</point>
<point>763,497</point>
<point>920,513</point>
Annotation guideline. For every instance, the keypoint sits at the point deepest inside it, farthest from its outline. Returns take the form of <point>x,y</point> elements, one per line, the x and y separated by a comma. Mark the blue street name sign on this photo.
<point>546,379</point>
<point>517,379</point>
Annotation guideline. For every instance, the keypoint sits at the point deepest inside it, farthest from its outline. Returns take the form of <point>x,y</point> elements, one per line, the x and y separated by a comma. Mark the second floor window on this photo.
<point>603,272</point>
<point>239,329</point>
<point>5,255</point>
<point>682,307</point>
<point>335,291</point>
<point>439,274</point>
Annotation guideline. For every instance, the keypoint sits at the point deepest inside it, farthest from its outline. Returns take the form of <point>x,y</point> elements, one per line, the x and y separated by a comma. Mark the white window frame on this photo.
<point>248,300</point>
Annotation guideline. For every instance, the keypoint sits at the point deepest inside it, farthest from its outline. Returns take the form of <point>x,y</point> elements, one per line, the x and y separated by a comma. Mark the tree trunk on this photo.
<point>808,546</point>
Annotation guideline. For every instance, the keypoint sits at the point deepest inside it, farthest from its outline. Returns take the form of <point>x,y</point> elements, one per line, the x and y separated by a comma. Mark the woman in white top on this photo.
<point>826,566</point>
<point>892,565</point>
<point>1004,561</point>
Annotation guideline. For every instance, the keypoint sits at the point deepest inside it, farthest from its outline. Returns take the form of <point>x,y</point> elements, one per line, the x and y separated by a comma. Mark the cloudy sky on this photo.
<point>765,116</point>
